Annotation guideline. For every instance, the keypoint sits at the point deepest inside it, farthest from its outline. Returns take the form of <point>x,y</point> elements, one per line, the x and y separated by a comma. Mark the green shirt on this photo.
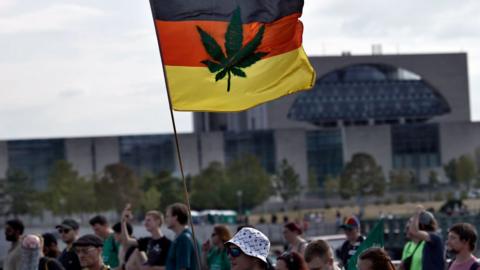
<point>110,252</point>
<point>417,257</point>
<point>181,254</point>
<point>217,259</point>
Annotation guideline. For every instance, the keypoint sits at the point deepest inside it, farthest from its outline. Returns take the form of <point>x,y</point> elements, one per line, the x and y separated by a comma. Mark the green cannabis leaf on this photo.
<point>237,57</point>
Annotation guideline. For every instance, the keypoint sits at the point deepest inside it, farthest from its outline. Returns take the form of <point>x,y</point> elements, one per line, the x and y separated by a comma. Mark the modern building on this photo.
<point>407,111</point>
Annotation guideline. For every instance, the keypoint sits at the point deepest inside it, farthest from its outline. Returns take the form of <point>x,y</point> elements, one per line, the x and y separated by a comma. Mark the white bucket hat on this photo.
<point>252,242</point>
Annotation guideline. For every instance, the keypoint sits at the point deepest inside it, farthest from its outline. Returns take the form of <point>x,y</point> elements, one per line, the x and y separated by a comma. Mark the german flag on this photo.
<point>231,55</point>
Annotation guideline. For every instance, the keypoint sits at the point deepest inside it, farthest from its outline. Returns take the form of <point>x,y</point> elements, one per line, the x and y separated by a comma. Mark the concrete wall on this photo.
<point>458,139</point>
<point>3,159</point>
<point>211,148</point>
<point>375,140</point>
<point>189,148</point>
<point>106,152</point>
<point>290,144</point>
<point>79,153</point>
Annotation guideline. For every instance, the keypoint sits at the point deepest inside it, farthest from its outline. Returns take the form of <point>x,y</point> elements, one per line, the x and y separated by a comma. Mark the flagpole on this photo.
<point>177,144</point>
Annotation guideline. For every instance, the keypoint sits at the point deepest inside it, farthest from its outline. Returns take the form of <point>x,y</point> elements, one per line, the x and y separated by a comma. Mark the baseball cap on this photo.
<point>68,223</point>
<point>252,242</point>
<point>425,218</point>
<point>88,240</point>
<point>351,223</point>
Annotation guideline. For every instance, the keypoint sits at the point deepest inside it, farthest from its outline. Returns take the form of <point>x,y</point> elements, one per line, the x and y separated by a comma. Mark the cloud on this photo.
<point>54,18</point>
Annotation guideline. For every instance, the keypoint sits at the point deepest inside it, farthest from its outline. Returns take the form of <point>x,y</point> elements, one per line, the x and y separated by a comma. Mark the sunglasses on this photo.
<point>234,252</point>
<point>63,231</point>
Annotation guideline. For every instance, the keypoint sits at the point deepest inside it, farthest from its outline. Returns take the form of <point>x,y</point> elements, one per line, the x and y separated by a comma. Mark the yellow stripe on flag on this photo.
<point>195,89</point>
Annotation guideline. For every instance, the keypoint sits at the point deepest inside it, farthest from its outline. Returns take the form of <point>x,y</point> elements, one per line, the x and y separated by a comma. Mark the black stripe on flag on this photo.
<point>264,11</point>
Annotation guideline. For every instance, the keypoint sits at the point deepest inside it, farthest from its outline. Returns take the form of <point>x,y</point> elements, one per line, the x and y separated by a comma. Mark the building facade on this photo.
<point>407,111</point>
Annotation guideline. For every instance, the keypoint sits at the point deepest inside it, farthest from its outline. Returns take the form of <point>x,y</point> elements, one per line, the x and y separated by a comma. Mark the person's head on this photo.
<point>291,261</point>
<point>427,222</point>
<point>68,230</point>
<point>117,230</point>
<point>374,259</point>
<point>220,235</point>
<point>248,250</point>
<point>89,250</point>
<point>291,231</point>
<point>351,228</point>
<point>462,237</point>
<point>100,226</point>
<point>153,220</point>
<point>32,241</point>
<point>319,255</point>
<point>177,215</point>
<point>13,230</point>
<point>50,243</point>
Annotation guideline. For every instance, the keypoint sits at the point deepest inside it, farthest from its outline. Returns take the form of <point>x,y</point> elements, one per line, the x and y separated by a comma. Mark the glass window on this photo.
<point>416,146</point>
<point>148,154</point>
<point>324,153</point>
<point>35,158</point>
<point>258,143</point>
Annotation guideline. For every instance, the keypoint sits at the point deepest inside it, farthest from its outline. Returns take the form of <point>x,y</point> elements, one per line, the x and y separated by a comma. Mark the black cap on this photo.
<point>426,218</point>
<point>49,239</point>
<point>88,240</point>
<point>68,223</point>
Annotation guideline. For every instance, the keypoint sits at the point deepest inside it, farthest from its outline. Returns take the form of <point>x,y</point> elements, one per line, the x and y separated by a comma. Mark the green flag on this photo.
<point>374,239</point>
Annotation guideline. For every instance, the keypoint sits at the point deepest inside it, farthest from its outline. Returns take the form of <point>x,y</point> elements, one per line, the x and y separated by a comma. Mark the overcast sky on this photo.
<point>89,67</point>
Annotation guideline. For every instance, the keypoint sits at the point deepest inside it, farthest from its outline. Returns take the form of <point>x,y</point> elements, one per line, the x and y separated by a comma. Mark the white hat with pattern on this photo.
<point>252,242</point>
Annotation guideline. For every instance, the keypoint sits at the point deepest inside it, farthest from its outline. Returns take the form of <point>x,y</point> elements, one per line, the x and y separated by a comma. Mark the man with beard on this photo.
<point>461,241</point>
<point>13,233</point>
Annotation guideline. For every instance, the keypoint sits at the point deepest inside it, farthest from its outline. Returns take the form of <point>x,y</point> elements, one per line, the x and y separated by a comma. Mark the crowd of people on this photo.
<point>115,247</point>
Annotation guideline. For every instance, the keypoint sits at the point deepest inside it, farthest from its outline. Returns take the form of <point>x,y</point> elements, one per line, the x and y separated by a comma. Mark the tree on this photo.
<point>151,199</point>
<point>286,181</point>
<point>4,200</point>
<point>67,192</point>
<point>22,197</point>
<point>451,171</point>
<point>465,170</point>
<point>247,176</point>
<point>208,188</point>
<point>433,179</point>
<point>362,176</point>
<point>313,186</point>
<point>170,189</point>
<point>401,179</point>
<point>331,185</point>
<point>117,187</point>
